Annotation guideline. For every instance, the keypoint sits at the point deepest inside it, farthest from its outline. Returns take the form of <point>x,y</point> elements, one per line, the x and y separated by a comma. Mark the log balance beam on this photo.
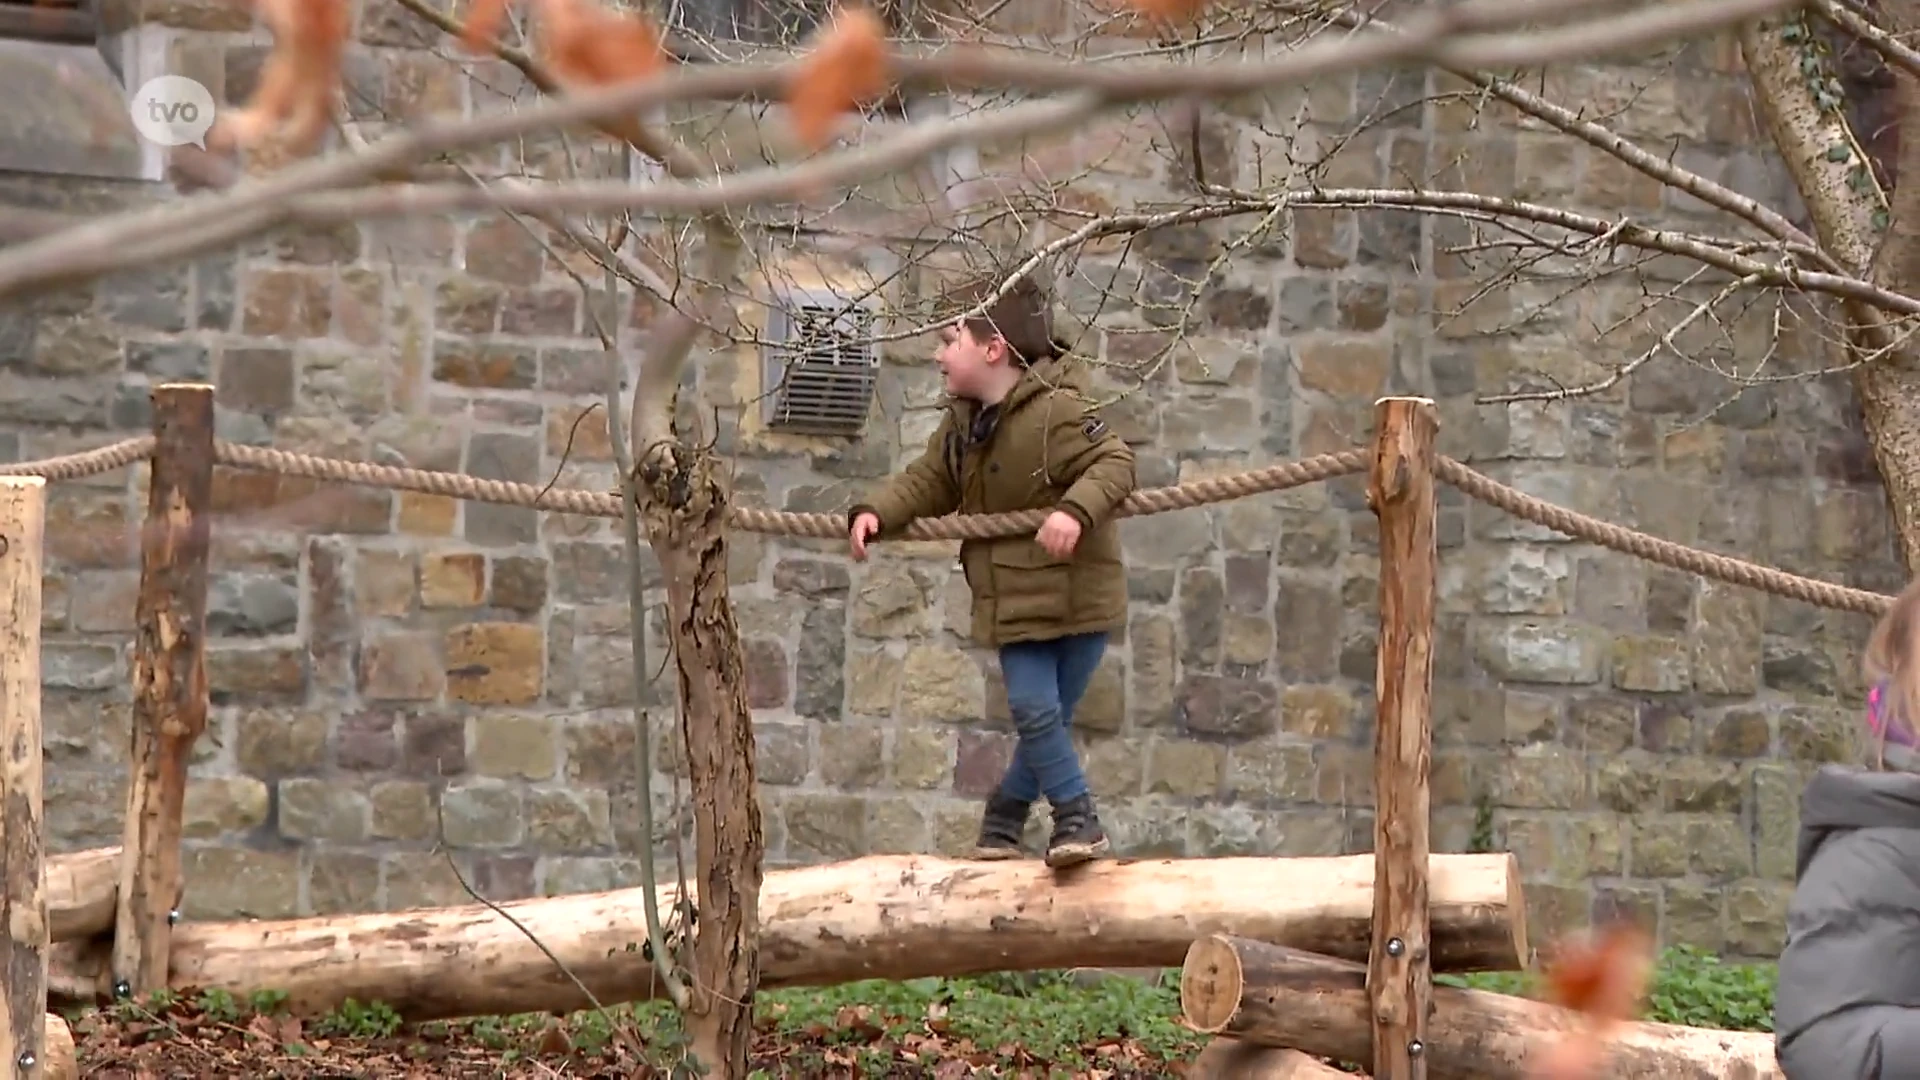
<point>1267,995</point>
<point>879,917</point>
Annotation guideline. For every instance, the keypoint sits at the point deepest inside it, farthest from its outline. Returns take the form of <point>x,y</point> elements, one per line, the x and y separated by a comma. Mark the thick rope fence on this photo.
<point>1196,493</point>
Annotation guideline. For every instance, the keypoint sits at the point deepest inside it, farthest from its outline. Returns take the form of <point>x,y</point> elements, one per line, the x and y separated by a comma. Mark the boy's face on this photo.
<point>966,362</point>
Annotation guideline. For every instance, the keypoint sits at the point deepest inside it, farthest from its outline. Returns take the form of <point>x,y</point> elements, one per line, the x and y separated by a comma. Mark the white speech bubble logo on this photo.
<point>173,110</point>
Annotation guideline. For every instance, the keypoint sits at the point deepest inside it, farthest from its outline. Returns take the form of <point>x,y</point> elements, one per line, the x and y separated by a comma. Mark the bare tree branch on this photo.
<point>1600,137</point>
<point>1457,35</point>
<point>1892,49</point>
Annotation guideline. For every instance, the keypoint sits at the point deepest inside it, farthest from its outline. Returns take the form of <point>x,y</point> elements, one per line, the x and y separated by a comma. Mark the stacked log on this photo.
<point>883,916</point>
<point>1231,1059</point>
<point>1274,996</point>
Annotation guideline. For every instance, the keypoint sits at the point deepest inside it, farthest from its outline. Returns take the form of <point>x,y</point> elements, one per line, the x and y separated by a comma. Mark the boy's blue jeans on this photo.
<point>1045,680</point>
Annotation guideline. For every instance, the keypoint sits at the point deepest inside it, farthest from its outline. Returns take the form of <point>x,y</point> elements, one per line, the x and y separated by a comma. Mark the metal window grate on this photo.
<point>69,22</point>
<point>819,366</point>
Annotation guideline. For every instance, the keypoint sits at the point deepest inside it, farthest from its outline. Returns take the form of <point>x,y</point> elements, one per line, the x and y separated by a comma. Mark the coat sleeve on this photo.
<point>928,487</point>
<point>1850,940</point>
<point>1095,463</point>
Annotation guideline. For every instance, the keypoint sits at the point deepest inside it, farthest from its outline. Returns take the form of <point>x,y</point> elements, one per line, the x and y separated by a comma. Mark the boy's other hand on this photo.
<point>864,525</point>
<point>1059,533</point>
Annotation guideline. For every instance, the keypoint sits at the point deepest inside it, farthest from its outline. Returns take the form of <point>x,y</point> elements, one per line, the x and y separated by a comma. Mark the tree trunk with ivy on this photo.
<point>1801,98</point>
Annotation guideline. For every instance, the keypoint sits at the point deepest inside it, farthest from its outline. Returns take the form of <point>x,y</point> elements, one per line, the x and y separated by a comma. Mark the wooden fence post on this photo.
<point>1399,970</point>
<point>169,681</point>
<point>23,905</point>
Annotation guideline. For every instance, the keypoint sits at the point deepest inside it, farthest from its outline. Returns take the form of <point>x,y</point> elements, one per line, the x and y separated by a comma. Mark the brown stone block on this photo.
<point>852,756</point>
<point>501,249</point>
<point>453,580</point>
<point>89,528</point>
<point>401,666</point>
<point>271,743</point>
<point>287,303</point>
<point>227,883</point>
<point>495,663</point>
<point>578,433</point>
<point>514,747</point>
<point>256,673</point>
<point>218,805</point>
<point>427,515</point>
<point>981,761</point>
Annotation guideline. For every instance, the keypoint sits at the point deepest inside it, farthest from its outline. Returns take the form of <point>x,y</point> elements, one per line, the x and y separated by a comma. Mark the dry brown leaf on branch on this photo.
<point>1167,11</point>
<point>587,45</point>
<point>1603,976</point>
<point>846,67</point>
<point>482,28</point>
<point>580,42</point>
<point>300,81</point>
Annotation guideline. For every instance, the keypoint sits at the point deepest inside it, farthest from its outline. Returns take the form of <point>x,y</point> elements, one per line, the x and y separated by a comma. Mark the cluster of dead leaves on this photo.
<point>1603,976</point>
<point>582,44</point>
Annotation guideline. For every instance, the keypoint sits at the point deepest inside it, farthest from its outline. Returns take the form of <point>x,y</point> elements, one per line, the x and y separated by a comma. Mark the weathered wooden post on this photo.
<point>169,681</point>
<point>1399,969</point>
<point>32,1044</point>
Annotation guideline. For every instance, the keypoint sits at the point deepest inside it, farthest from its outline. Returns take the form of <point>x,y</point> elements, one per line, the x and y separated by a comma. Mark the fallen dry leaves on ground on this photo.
<point>184,1042</point>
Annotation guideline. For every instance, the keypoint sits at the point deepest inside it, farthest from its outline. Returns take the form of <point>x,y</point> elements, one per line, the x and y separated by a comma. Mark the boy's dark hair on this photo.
<point>1023,316</point>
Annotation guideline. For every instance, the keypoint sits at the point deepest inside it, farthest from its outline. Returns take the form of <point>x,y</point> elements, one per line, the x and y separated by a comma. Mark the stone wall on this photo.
<point>396,675</point>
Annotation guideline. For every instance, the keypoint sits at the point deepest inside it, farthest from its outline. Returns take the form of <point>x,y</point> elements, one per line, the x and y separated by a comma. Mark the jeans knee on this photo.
<point>1032,718</point>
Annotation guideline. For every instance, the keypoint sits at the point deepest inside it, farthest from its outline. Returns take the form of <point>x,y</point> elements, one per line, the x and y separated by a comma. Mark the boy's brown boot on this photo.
<point>1077,835</point>
<point>1001,827</point>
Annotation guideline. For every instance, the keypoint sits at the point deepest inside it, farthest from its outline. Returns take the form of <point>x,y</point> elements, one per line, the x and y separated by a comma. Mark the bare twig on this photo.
<point>1631,366</point>
<point>1458,35</point>
<point>1891,48</point>
<point>1600,137</point>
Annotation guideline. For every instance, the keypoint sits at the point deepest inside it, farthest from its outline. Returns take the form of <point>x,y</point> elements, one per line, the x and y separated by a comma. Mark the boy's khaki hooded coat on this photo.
<point>1043,448</point>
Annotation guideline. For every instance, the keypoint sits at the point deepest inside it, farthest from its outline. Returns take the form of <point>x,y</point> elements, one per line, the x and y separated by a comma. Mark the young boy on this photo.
<point>1017,436</point>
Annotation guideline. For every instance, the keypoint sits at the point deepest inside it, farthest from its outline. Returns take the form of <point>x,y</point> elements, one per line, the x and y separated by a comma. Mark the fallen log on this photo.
<point>1270,995</point>
<point>879,917</point>
<point>82,889</point>
<point>1231,1059</point>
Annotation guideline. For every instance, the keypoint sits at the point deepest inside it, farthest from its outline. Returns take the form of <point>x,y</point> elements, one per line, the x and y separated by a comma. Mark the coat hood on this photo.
<point>1841,798</point>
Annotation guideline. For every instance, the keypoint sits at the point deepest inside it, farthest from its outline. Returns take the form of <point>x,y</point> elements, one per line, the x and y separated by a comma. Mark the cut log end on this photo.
<point>1516,910</point>
<point>62,1063</point>
<point>1211,981</point>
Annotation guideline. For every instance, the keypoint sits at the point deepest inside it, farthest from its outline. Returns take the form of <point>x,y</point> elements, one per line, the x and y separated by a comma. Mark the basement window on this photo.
<point>819,365</point>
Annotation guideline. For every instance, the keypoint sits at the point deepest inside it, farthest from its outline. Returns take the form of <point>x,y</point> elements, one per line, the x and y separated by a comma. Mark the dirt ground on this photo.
<point>187,1043</point>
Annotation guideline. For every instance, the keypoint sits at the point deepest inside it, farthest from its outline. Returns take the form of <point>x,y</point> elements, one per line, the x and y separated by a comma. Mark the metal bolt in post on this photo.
<point>27,1060</point>
<point>173,917</point>
<point>1395,946</point>
<point>122,988</point>
<point>1416,1048</point>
